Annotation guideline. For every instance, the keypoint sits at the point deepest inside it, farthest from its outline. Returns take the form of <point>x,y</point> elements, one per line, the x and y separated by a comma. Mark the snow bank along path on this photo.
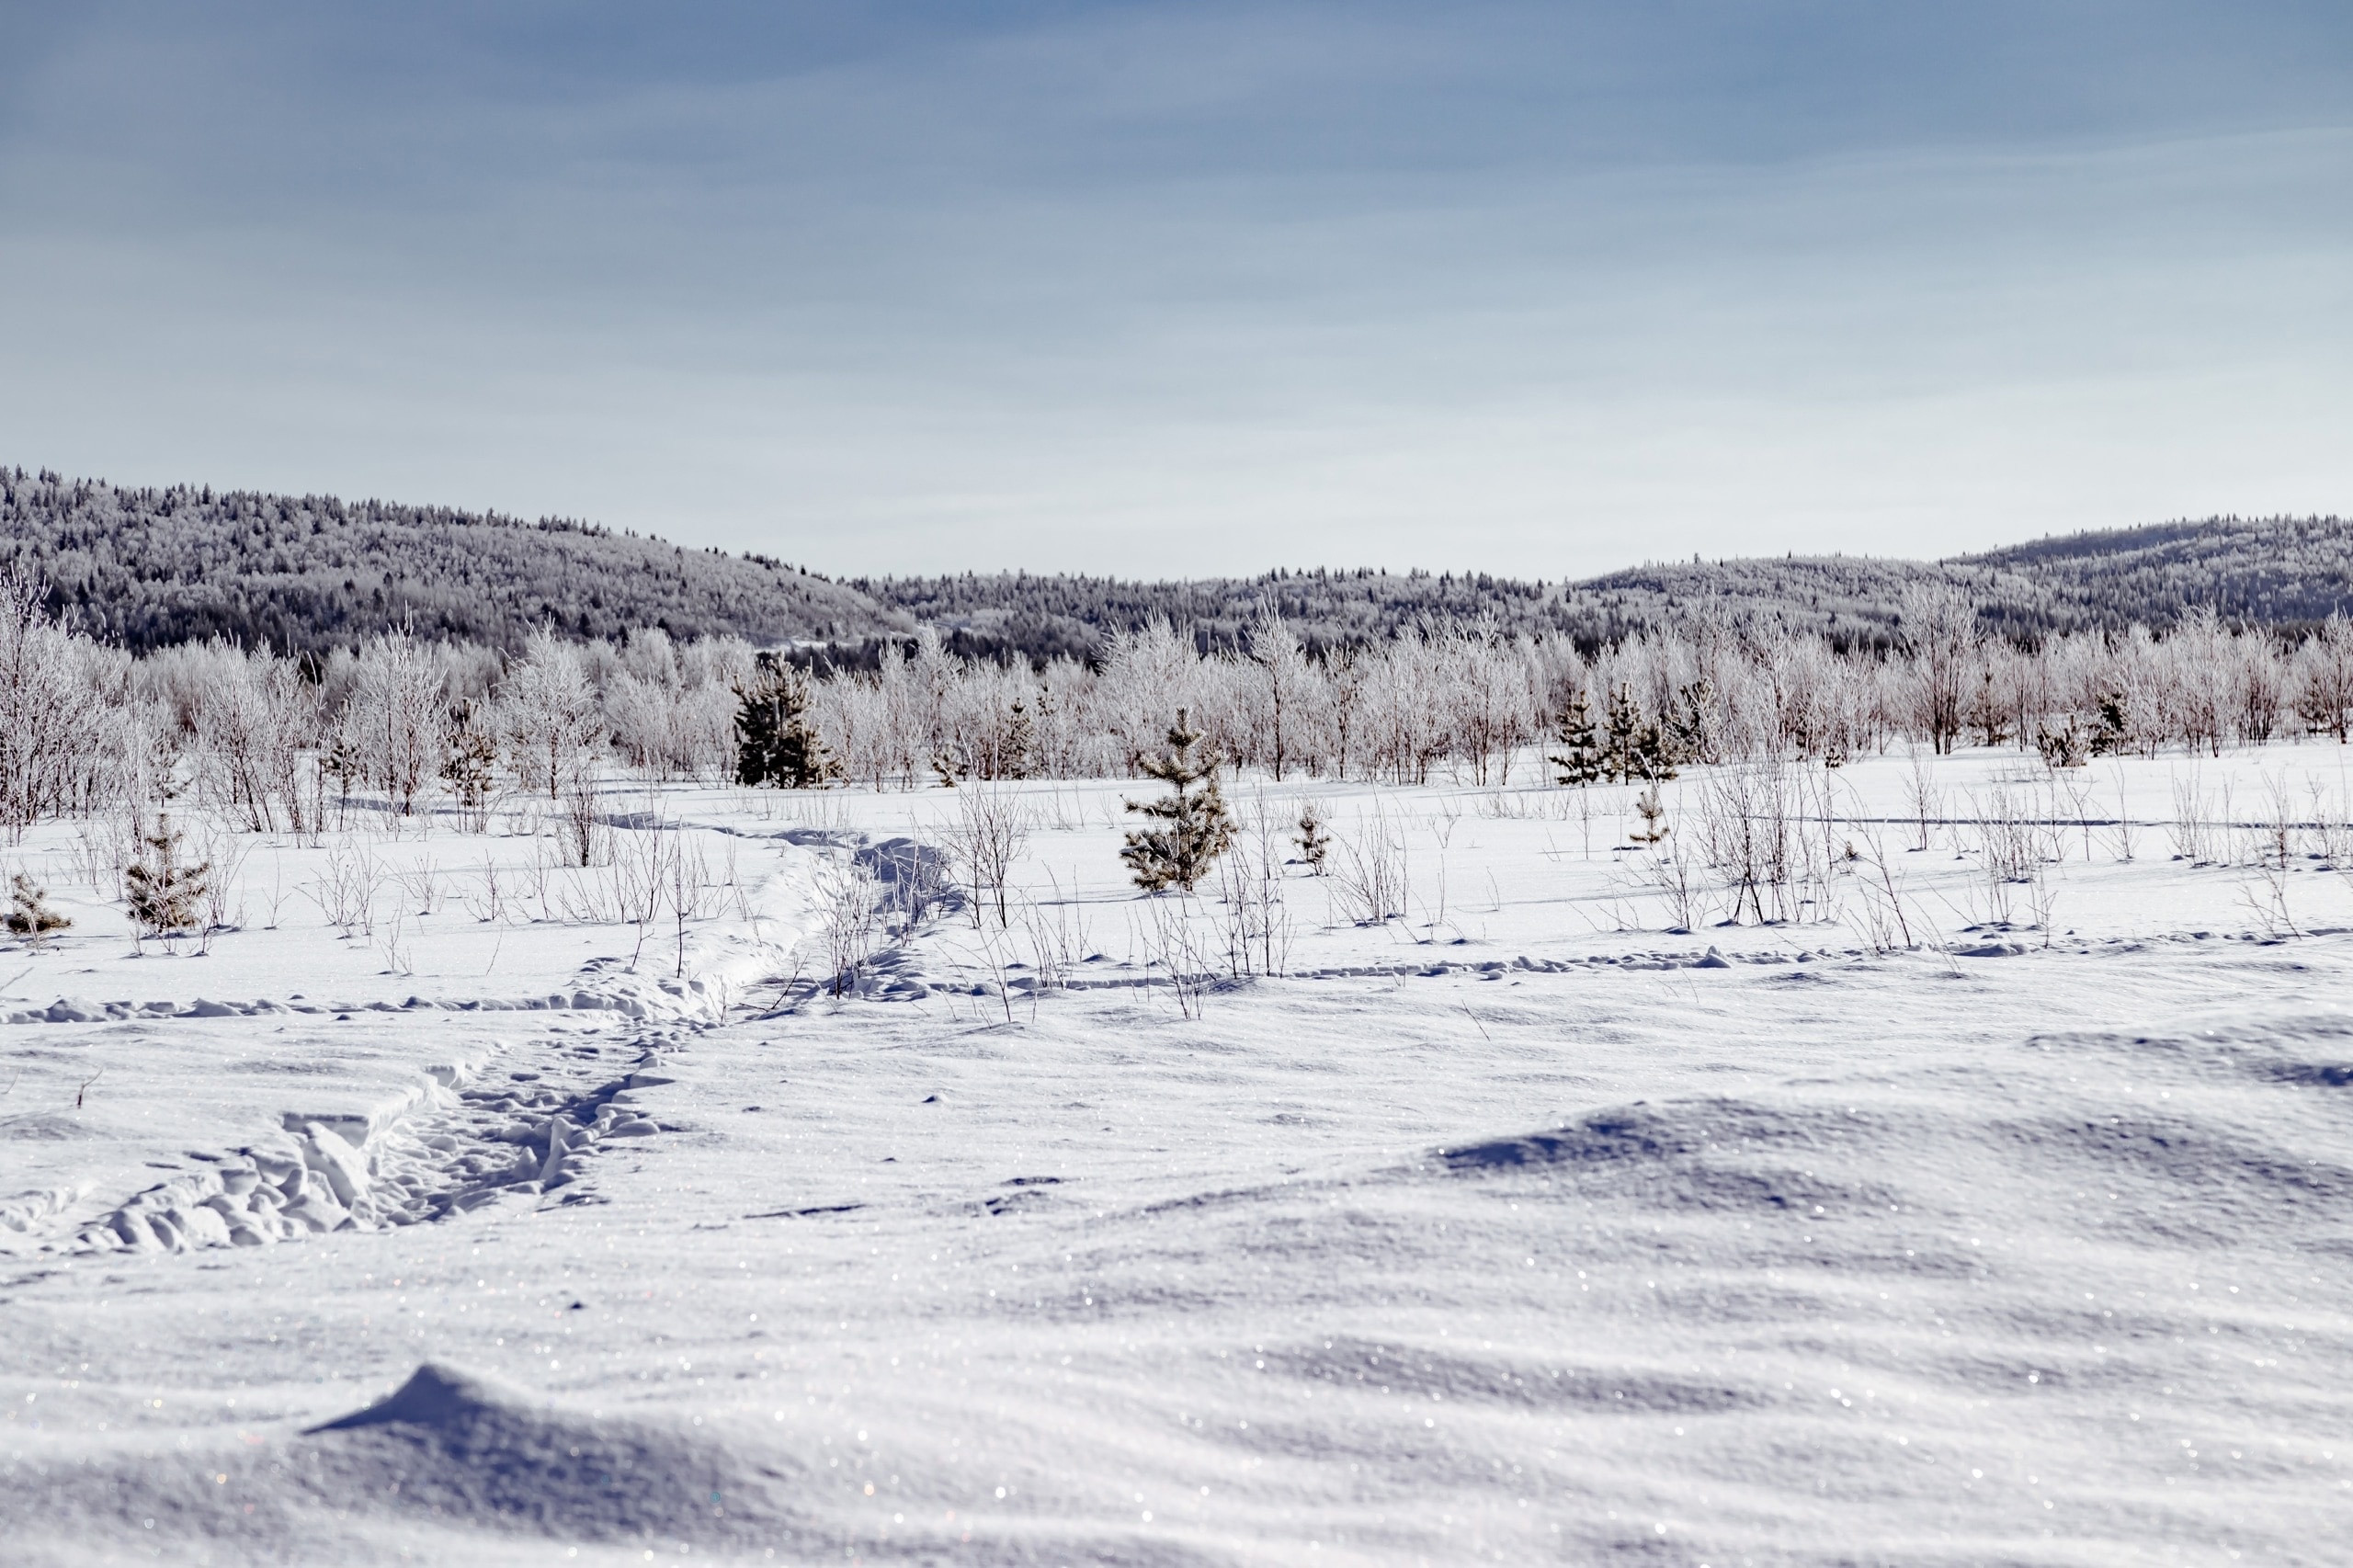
<point>355,1114</point>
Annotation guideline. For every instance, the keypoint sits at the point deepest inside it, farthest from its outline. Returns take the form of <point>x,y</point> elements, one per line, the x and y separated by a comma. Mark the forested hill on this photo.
<point>146,568</point>
<point>2286,573</point>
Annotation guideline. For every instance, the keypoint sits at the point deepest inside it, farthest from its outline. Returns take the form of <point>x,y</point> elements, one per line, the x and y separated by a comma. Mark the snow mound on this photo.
<point>453,1445</point>
<point>436,1396</point>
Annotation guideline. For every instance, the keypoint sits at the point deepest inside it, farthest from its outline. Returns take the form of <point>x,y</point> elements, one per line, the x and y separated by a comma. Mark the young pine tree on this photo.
<point>1622,737</point>
<point>1314,838</point>
<point>1579,762</point>
<point>1631,747</point>
<point>29,915</point>
<point>1653,829</point>
<point>163,894</point>
<point>1018,744</point>
<point>774,742</point>
<point>2113,733</point>
<point>471,768</point>
<point>1198,828</point>
<point>1691,728</point>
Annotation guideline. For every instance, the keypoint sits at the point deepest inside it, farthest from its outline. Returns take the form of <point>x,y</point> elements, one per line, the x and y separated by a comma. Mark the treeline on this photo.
<point>277,742</point>
<point>147,569</point>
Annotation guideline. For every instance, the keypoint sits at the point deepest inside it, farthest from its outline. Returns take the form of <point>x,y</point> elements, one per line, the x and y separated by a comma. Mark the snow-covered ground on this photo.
<point>1955,1220</point>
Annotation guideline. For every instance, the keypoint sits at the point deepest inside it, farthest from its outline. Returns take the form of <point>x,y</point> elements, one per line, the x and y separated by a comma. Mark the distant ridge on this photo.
<point>148,567</point>
<point>2284,573</point>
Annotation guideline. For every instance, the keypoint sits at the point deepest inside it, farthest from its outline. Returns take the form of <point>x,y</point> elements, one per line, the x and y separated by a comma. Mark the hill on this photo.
<point>2280,572</point>
<point>2283,573</point>
<point>147,568</point>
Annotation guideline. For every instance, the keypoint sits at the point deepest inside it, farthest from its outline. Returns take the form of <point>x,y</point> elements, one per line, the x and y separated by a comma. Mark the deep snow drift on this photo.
<point>1517,1227</point>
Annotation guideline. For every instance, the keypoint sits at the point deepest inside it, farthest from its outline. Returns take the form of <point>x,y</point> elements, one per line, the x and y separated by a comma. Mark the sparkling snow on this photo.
<point>1517,1228</point>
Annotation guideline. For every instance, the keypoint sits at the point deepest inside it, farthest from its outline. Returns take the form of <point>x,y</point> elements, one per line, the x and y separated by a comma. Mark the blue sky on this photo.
<point>1191,289</point>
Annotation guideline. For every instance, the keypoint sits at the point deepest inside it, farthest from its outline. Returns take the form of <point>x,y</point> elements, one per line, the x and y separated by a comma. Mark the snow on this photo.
<point>1519,1227</point>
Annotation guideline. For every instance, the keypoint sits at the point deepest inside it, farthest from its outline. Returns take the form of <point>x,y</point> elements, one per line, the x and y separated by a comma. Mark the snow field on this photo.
<point>1515,1227</point>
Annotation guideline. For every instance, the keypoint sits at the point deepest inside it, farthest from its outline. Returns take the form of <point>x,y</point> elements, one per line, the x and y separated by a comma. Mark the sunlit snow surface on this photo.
<point>1802,1254</point>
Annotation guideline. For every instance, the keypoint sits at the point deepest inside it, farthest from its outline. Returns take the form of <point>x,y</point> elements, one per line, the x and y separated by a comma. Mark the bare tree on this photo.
<point>1939,625</point>
<point>987,837</point>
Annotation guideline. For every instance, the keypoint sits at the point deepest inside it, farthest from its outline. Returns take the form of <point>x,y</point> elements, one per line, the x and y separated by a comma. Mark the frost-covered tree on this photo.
<point>396,719</point>
<point>256,719</point>
<point>1313,837</point>
<point>1283,688</point>
<point>60,729</point>
<point>1939,627</point>
<point>2325,679</point>
<point>1195,826</point>
<point>549,714</point>
<point>163,892</point>
<point>29,915</point>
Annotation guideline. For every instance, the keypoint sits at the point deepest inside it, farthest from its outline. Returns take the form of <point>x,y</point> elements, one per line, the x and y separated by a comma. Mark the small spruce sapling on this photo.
<point>470,768</point>
<point>1654,829</point>
<point>1579,762</point>
<point>774,742</point>
<point>341,763</point>
<point>1631,747</point>
<point>1017,743</point>
<point>1314,838</point>
<point>162,893</point>
<point>2113,733</point>
<point>2062,748</point>
<point>1690,729</point>
<point>1198,826</point>
<point>29,915</point>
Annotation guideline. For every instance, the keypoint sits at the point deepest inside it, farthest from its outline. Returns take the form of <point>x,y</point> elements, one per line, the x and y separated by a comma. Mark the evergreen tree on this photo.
<point>1017,745</point>
<point>162,893</point>
<point>774,742</point>
<point>1621,736</point>
<point>1985,715</point>
<point>2061,747</point>
<point>341,763</point>
<point>2113,733</point>
<point>1198,828</point>
<point>29,915</point>
<point>1631,747</point>
<point>1654,829</point>
<point>1579,763</point>
<point>1314,841</point>
<point>1690,729</point>
<point>470,768</point>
